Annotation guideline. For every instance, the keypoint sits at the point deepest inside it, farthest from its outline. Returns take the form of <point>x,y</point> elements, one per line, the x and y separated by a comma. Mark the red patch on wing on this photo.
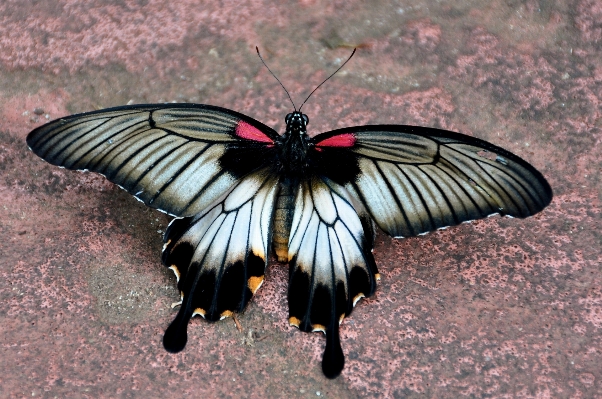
<point>340,140</point>
<point>249,132</point>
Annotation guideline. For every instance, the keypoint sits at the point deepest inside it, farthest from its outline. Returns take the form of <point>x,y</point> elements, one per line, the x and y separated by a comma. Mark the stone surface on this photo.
<point>497,308</point>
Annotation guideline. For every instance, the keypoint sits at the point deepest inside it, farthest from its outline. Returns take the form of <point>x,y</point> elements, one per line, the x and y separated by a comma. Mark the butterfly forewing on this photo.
<point>171,157</point>
<point>414,180</point>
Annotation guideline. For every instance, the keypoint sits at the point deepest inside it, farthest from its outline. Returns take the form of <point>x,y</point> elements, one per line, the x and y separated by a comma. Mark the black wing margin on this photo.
<point>413,180</point>
<point>177,158</point>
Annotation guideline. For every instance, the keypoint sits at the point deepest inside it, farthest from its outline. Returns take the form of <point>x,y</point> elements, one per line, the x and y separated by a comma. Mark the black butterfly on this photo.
<point>238,189</point>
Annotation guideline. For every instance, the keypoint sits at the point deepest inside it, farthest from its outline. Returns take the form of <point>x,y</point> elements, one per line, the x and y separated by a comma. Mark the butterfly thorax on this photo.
<point>294,145</point>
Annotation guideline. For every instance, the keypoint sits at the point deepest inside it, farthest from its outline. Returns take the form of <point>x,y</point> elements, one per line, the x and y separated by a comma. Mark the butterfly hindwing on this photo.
<point>331,263</point>
<point>177,158</point>
<point>219,256</point>
<point>413,180</point>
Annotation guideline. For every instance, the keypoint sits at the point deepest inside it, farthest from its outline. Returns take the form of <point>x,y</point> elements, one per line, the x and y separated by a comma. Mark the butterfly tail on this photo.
<point>176,335</point>
<point>333,359</point>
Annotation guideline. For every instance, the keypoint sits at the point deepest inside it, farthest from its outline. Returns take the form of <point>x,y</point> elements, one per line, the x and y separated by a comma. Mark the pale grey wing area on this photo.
<point>165,155</point>
<point>220,255</point>
<point>413,183</point>
<point>331,263</point>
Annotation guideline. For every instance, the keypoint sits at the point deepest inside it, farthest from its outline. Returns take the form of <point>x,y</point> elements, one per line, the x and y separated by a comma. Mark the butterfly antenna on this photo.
<point>338,69</point>
<point>275,77</point>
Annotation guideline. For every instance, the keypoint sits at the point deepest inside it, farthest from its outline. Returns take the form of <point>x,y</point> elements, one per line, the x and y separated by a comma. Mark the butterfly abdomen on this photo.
<point>283,218</point>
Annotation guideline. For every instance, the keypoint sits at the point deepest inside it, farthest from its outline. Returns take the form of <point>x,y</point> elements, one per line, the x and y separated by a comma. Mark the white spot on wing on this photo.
<point>501,160</point>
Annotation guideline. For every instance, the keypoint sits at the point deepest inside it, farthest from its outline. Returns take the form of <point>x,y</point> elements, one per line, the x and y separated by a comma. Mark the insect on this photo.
<point>240,191</point>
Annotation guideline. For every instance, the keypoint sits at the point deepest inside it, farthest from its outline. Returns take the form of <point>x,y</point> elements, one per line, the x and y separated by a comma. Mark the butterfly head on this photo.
<point>296,124</point>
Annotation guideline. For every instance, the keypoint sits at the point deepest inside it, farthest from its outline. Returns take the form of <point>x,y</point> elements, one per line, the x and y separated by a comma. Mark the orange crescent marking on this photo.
<point>254,283</point>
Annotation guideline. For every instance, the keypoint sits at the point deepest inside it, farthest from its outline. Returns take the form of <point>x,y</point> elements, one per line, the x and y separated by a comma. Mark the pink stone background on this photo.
<point>498,308</point>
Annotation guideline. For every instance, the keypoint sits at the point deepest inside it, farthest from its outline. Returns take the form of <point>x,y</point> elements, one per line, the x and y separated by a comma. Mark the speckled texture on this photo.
<point>497,308</point>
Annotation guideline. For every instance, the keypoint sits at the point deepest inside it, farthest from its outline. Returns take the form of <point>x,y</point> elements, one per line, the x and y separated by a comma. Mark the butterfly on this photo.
<point>239,191</point>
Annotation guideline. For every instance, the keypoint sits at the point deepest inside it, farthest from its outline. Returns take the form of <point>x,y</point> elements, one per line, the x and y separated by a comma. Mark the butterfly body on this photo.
<point>291,164</point>
<point>283,218</point>
<point>239,190</point>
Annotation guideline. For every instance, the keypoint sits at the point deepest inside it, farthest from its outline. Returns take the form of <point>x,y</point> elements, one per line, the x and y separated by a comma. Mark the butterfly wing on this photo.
<point>331,263</point>
<point>219,256</point>
<point>413,180</point>
<point>177,158</point>
<point>409,180</point>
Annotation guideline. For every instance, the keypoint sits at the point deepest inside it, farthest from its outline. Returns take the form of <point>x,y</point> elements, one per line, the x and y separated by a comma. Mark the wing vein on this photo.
<point>67,126</point>
<point>443,195</point>
<point>456,177</point>
<point>220,173</point>
<point>395,197</point>
<point>223,265</point>
<point>122,148</point>
<point>424,203</point>
<point>155,163</point>
<point>175,175</point>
